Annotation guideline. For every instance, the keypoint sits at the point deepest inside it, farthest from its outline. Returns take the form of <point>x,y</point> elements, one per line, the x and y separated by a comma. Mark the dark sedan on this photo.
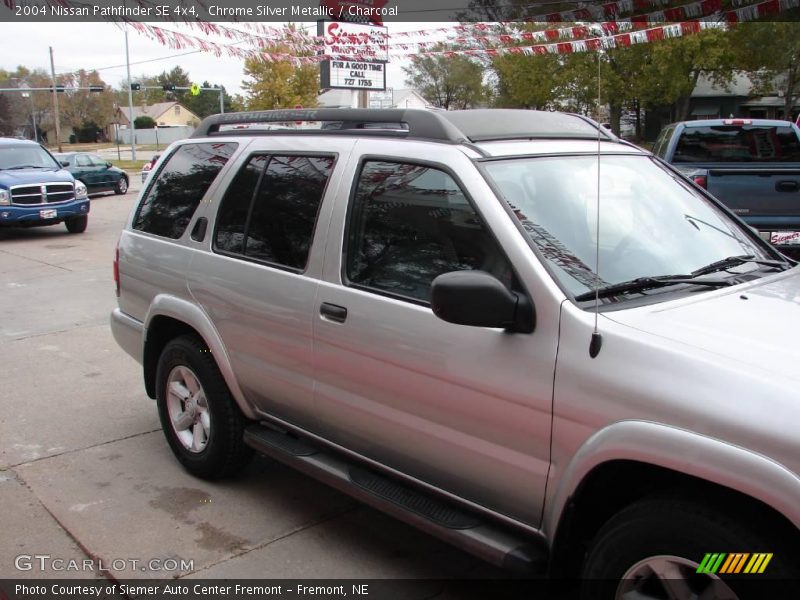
<point>97,174</point>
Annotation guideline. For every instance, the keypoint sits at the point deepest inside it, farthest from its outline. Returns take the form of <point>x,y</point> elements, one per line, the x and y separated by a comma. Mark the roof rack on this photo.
<point>455,127</point>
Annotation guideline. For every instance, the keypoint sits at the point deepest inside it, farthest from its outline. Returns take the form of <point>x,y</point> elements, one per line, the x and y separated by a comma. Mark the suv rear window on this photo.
<point>180,186</point>
<point>735,143</point>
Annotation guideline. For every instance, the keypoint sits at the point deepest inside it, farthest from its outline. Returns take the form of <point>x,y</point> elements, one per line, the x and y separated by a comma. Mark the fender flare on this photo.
<point>682,451</point>
<point>164,305</point>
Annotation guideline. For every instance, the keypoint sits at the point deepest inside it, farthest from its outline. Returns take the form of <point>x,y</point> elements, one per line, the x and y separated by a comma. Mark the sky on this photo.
<point>101,46</point>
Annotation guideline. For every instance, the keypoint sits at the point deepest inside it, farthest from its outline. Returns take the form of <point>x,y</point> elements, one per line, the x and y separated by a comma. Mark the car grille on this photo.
<point>45,193</point>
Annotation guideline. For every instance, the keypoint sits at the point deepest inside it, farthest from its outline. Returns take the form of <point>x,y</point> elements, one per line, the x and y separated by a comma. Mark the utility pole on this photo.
<point>221,100</point>
<point>55,100</point>
<point>132,127</point>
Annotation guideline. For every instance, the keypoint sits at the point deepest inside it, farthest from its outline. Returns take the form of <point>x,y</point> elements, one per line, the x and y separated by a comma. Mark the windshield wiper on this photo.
<point>25,167</point>
<point>641,284</point>
<point>733,261</point>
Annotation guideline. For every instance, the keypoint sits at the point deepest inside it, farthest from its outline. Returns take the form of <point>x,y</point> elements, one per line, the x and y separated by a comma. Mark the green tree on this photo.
<point>770,51</point>
<point>527,81</point>
<point>207,101</point>
<point>449,82</point>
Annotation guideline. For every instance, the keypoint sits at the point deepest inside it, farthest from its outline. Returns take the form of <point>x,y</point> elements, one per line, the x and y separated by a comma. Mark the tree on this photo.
<point>676,65</point>
<point>527,81</point>
<point>144,122</point>
<point>449,82</point>
<point>82,107</point>
<point>207,101</point>
<point>279,83</point>
<point>771,52</point>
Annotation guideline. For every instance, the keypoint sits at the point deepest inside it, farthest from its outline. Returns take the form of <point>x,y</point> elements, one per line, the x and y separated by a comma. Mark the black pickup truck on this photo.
<point>751,165</point>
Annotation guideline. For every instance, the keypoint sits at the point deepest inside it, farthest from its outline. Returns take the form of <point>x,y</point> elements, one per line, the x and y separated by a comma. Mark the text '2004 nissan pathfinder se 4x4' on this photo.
<point>407,305</point>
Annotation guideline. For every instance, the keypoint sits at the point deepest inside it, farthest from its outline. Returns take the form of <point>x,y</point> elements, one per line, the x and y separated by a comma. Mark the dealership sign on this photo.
<point>357,53</point>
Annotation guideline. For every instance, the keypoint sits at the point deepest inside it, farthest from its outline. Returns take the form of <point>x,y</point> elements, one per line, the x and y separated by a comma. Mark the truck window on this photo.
<point>735,143</point>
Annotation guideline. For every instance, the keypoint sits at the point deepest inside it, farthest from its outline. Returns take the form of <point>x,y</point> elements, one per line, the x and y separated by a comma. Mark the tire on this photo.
<point>122,186</point>
<point>206,432</point>
<point>671,536</point>
<point>77,224</point>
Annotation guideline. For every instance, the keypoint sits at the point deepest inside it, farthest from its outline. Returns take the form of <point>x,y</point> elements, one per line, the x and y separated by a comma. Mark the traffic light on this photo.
<point>169,87</point>
<point>96,88</point>
<point>136,86</point>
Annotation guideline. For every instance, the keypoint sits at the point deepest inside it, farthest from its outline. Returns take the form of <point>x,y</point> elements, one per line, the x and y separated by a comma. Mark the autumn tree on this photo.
<point>80,109</point>
<point>279,83</point>
<point>447,81</point>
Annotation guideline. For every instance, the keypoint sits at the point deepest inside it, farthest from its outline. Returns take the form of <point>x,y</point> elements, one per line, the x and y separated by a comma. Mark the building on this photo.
<point>165,114</point>
<point>391,98</point>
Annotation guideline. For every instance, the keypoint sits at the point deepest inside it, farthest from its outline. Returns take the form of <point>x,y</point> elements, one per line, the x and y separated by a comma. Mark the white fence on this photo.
<point>159,135</point>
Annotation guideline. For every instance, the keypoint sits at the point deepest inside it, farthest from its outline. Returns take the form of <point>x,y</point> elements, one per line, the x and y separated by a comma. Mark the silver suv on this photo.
<point>508,328</point>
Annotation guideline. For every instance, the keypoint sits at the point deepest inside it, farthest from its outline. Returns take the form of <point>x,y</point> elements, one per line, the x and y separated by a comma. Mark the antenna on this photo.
<point>597,340</point>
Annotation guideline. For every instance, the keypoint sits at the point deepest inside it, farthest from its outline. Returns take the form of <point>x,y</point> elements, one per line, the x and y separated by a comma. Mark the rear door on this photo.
<point>258,274</point>
<point>465,409</point>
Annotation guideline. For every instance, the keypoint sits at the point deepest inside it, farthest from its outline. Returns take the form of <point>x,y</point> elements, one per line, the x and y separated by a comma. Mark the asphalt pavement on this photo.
<point>85,472</point>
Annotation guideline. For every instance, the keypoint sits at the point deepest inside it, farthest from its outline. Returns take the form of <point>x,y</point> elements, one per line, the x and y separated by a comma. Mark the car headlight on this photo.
<point>5,197</point>
<point>80,191</point>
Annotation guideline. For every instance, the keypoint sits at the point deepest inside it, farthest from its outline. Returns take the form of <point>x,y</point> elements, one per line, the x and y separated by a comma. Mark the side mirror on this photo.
<point>64,163</point>
<point>108,164</point>
<point>478,299</point>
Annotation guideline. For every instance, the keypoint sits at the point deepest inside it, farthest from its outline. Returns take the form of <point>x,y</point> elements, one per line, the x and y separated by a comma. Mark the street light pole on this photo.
<point>55,100</point>
<point>221,100</point>
<point>132,125</point>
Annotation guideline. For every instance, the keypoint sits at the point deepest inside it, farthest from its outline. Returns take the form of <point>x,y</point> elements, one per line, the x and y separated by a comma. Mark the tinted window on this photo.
<point>97,161</point>
<point>236,206</point>
<point>733,143</point>
<point>277,224</point>
<point>411,223</point>
<point>82,161</point>
<point>179,187</point>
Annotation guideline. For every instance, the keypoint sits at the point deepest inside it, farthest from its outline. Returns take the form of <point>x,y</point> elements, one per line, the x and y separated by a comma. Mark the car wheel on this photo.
<point>653,549</point>
<point>200,419</point>
<point>122,186</point>
<point>77,224</point>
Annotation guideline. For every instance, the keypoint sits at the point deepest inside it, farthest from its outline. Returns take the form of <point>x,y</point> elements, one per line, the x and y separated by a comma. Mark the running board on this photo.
<point>475,534</point>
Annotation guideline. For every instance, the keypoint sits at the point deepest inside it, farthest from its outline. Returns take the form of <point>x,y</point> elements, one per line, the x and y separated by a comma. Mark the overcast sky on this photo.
<point>101,46</point>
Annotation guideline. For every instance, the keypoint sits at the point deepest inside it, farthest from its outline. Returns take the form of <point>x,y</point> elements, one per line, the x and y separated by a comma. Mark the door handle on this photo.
<point>333,312</point>
<point>787,185</point>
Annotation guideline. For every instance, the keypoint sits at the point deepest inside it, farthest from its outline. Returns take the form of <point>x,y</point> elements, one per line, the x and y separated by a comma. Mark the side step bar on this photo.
<point>473,533</point>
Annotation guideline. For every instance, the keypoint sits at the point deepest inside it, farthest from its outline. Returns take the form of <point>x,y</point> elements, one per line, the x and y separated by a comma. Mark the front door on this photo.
<point>465,409</point>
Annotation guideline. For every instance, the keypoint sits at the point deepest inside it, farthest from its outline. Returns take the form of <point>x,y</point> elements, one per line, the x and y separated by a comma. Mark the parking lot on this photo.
<point>85,472</point>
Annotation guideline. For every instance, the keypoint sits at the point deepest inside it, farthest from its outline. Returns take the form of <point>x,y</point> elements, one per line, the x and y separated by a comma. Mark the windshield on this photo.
<point>29,156</point>
<point>652,223</point>
<point>732,143</point>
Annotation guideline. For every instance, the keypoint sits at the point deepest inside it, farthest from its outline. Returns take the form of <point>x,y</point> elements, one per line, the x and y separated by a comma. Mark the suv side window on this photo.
<point>180,186</point>
<point>270,209</point>
<point>410,223</point>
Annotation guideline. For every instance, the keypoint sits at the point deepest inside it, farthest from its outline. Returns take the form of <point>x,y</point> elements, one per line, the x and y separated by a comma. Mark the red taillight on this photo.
<point>116,268</point>
<point>701,181</point>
